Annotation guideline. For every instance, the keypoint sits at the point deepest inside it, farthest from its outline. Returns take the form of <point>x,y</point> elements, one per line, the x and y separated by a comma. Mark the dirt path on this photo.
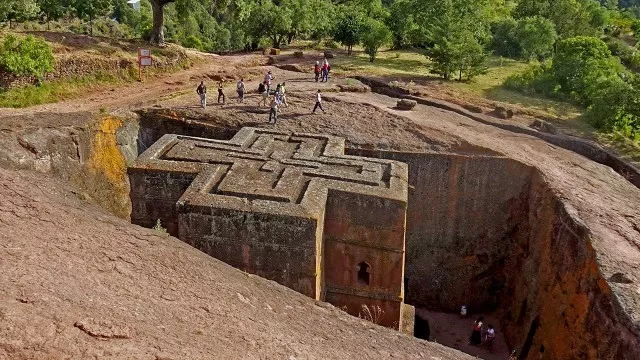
<point>146,93</point>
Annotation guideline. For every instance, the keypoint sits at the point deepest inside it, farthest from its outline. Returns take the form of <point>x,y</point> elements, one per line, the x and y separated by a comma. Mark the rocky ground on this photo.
<point>77,281</point>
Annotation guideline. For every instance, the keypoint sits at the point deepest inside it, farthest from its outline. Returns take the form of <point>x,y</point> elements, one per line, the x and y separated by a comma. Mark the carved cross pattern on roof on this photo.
<point>260,167</point>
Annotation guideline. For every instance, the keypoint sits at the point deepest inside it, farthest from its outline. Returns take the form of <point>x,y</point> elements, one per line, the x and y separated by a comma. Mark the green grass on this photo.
<point>51,92</point>
<point>402,62</point>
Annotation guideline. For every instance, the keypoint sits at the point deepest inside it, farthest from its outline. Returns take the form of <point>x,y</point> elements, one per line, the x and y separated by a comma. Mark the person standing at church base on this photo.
<point>476,334</point>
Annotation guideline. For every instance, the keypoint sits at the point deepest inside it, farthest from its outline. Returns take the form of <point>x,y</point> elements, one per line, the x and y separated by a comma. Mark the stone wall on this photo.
<point>555,290</point>
<point>285,206</point>
<point>489,233</point>
<point>275,247</point>
<point>365,231</point>
<point>462,215</point>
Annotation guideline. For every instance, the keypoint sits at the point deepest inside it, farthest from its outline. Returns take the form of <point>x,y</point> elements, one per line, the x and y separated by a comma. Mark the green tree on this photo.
<point>52,9</point>
<point>456,30</point>
<point>348,28</point>
<point>374,35</point>
<point>580,63</point>
<point>157,31</point>
<point>536,37</point>
<point>571,17</point>
<point>28,56</point>
<point>504,41</point>
<point>90,9</point>
<point>272,21</point>
<point>401,22</point>
<point>17,10</point>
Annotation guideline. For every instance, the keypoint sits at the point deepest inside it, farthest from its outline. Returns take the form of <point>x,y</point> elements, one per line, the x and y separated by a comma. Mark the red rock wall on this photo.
<point>357,229</point>
<point>462,215</point>
<point>558,305</point>
<point>489,232</point>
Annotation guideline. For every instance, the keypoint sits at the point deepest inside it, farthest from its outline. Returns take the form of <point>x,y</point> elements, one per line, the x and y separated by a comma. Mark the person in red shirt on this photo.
<point>316,70</point>
<point>325,71</point>
<point>476,335</point>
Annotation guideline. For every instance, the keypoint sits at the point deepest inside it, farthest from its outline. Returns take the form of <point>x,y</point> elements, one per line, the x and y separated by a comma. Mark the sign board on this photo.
<point>144,53</point>
<point>144,59</point>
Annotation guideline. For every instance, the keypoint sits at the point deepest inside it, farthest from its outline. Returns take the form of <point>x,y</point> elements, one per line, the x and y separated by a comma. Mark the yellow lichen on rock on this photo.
<point>108,163</point>
<point>105,155</point>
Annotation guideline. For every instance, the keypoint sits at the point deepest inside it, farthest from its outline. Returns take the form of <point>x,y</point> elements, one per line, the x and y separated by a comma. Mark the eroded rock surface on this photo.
<point>76,282</point>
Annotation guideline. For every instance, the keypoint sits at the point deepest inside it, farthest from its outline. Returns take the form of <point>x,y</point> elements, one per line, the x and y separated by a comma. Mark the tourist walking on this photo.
<point>318,103</point>
<point>220,92</point>
<point>476,335</point>
<point>273,112</point>
<point>262,90</point>
<point>241,90</point>
<point>316,70</point>
<point>283,95</point>
<point>202,91</point>
<point>267,81</point>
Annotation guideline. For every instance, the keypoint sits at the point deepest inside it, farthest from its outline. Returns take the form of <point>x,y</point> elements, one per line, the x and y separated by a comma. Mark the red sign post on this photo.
<point>144,59</point>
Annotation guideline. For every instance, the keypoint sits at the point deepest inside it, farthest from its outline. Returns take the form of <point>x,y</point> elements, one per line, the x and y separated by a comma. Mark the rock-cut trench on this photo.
<point>482,230</point>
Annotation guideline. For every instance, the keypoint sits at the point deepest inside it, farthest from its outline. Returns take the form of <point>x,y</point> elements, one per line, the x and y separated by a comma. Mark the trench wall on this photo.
<point>489,233</point>
<point>462,215</point>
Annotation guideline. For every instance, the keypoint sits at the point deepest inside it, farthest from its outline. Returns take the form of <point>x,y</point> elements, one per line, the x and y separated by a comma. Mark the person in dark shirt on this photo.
<point>202,91</point>
<point>220,92</point>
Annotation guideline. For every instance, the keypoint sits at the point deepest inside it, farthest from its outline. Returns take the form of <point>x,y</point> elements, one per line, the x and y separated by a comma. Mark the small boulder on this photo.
<point>406,104</point>
<point>298,54</point>
<point>291,67</point>
<point>328,54</point>
<point>503,113</point>
<point>473,108</point>
<point>544,126</point>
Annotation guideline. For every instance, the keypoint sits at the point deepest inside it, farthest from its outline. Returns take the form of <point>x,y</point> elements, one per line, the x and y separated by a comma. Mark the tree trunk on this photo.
<point>157,33</point>
<point>91,25</point>
<point>349,49</point>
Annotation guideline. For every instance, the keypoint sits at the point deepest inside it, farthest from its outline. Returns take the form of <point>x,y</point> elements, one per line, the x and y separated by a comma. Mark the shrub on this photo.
<point>538,78</point>
<point>580,62</point>
<point>28,56</point>
<point>192,42</point>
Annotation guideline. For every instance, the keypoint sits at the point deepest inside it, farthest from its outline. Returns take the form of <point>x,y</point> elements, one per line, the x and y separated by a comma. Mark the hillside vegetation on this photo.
<point>572,57</point>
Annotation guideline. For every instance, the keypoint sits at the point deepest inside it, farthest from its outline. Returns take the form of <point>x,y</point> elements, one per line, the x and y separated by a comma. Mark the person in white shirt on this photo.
<point>489,337</point>
<point>318,103</point>
<point>267,79</point>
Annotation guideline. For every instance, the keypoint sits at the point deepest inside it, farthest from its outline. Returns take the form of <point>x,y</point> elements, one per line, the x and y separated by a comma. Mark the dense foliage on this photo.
<point>580,50</point>
<point>27,56</point>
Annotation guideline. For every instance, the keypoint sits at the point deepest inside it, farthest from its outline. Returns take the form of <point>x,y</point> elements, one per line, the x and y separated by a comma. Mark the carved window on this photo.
<point>363,273</point>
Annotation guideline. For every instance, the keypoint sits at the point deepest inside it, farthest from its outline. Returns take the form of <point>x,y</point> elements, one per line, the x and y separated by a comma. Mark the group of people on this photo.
<point>201,90</point>
<point>274,98</point>
<point>322,71</point>
<point>480,337</point>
